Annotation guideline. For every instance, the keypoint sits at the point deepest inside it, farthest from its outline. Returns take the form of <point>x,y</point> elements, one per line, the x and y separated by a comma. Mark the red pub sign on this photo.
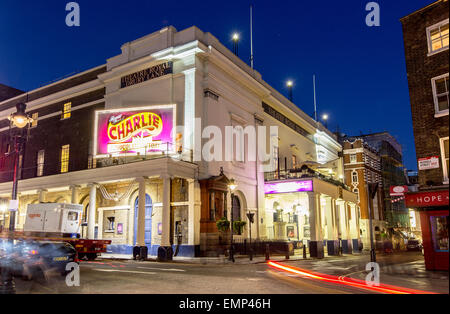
<point>426,199</point>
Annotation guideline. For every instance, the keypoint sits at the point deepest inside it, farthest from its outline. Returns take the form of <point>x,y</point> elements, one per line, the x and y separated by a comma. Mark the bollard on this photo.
<point>287,251</point>
<point>267,252</point>
<point>304,251</point>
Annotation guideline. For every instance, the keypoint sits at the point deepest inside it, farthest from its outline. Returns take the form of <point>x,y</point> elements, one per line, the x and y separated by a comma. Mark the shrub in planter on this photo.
<point>238,226</point>
<point>223,225</point>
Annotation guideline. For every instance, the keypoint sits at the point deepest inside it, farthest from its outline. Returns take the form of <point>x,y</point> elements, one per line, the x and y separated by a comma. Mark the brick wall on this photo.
<point>421,68</point>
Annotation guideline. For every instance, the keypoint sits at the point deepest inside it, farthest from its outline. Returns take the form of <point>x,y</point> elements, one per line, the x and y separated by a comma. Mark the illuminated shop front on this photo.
<point>322,216</point>
<point>434,219</point>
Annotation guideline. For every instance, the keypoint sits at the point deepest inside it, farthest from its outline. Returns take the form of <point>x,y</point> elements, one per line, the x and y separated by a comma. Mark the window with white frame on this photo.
<point>437,36</point>
<point>353,159</point>
<point>356,191</point>
<point>440,94</point>
<point>40,163</point>
<point>355,177</point>
<point>445,158</point>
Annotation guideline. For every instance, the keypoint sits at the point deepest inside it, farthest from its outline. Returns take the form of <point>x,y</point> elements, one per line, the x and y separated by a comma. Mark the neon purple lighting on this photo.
<point>288,187</point>
<point>142,131</point>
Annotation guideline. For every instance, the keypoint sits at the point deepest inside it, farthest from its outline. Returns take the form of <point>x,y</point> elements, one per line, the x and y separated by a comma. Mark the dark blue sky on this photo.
<point>361,75</point>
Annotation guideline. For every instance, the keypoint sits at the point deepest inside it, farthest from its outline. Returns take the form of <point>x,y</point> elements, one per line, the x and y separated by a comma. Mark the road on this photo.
<point>130,277</point>
<point>177,278</point>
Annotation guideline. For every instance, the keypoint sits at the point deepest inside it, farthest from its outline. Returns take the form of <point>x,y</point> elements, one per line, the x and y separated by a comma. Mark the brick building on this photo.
<point>426,40</point>
<point>362,165</point>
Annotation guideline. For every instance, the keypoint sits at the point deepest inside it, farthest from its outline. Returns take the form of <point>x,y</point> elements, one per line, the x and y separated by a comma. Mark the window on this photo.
<point>437,37</point>
<point>440,94</point>
<point>35,117</point>
<point>40,163</point>
<point>439,233</point>
<point>72,216</point>
<point>356,191</point>
<point>355,177</point>
<point>294,161</point>
<point>65,158</point>
<point>353,159</point>
<point>445,158</point>
<point>67,110</point>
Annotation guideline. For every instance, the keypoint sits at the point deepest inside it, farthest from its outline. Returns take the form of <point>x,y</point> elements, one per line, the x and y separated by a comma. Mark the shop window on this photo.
<point>67,111</point>
<point>439,233</point>
<point>445,158</point>
<point>437,36</point>
<point>440,94</point>
<point>40,163</point>
<point>65,158</point>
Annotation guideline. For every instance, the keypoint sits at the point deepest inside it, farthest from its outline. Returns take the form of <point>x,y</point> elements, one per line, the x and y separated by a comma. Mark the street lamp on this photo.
<point>325,118</point>
<point>235,39</point>
<point>250,217</point>
<point>232,186</point>
<point>289,85</point>
<point>20,120</point>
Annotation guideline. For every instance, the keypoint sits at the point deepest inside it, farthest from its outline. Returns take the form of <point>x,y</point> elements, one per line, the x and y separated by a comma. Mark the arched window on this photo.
<point>236,208</point>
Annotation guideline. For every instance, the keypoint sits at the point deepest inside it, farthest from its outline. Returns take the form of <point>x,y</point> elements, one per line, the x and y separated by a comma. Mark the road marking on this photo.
<point>124,271</point>
<point>163,269</point>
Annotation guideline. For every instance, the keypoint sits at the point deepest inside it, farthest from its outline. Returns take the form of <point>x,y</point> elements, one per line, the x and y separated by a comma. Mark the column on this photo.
<point>316,243</point>
<point>100,224</point>
<point>347,240</point>
<point>165,250</point>
<point>75,189</point>
<point>42,196</point>
<point>140,233</point>
<point>332,238</point>
<point>194,213</point>
<point>92,210</point>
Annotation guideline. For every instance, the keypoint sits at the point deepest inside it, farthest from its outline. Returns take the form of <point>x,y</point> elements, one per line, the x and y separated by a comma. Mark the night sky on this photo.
<point>361,72</point>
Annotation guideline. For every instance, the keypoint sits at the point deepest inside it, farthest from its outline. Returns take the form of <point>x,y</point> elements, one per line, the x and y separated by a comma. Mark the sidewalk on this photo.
<point>239,259</point>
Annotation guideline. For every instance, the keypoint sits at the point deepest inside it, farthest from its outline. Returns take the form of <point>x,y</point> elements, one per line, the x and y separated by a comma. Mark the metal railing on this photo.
<point>291,174</point>
<point>170,150</point>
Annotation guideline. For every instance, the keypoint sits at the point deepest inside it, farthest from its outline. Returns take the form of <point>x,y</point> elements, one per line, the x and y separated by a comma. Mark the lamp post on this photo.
<point>289,85</point>
<point>20,120</point>
<point>232,186</point>
<point>250,217</point>
<point>235,39</point>
<point>325,118</point>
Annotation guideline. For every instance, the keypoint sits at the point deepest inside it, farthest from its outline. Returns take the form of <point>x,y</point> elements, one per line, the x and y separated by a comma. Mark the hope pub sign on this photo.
<point>147,74</point>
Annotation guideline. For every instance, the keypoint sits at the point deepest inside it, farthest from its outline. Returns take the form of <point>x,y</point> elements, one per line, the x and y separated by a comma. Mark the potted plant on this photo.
<point>223,225</point>
<point>238,226</point>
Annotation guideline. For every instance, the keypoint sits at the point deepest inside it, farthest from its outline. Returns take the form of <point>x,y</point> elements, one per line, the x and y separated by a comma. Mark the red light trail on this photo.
<point>382,288</point>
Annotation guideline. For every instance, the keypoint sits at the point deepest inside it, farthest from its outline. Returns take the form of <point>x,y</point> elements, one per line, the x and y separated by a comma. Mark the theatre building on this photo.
<point>127,140</point>
<point>426,38</point>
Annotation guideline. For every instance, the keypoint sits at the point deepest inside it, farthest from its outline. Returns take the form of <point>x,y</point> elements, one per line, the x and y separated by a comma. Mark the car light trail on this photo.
<point>383,288</point>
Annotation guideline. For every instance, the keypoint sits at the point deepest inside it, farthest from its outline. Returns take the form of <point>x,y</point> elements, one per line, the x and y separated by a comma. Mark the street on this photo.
<point>131,277</point>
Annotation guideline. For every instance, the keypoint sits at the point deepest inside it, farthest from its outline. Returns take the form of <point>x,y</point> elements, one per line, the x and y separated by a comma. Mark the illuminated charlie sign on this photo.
<point>135,130</point>
<point>288,187</point>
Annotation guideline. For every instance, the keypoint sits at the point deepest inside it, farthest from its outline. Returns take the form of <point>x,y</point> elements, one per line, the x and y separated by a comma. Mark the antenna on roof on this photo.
<point>251,35</point>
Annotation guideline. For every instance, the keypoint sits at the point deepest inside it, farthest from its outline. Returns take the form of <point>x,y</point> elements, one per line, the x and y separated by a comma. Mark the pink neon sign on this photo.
<point>144,130</point>
<point>288,187</point>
